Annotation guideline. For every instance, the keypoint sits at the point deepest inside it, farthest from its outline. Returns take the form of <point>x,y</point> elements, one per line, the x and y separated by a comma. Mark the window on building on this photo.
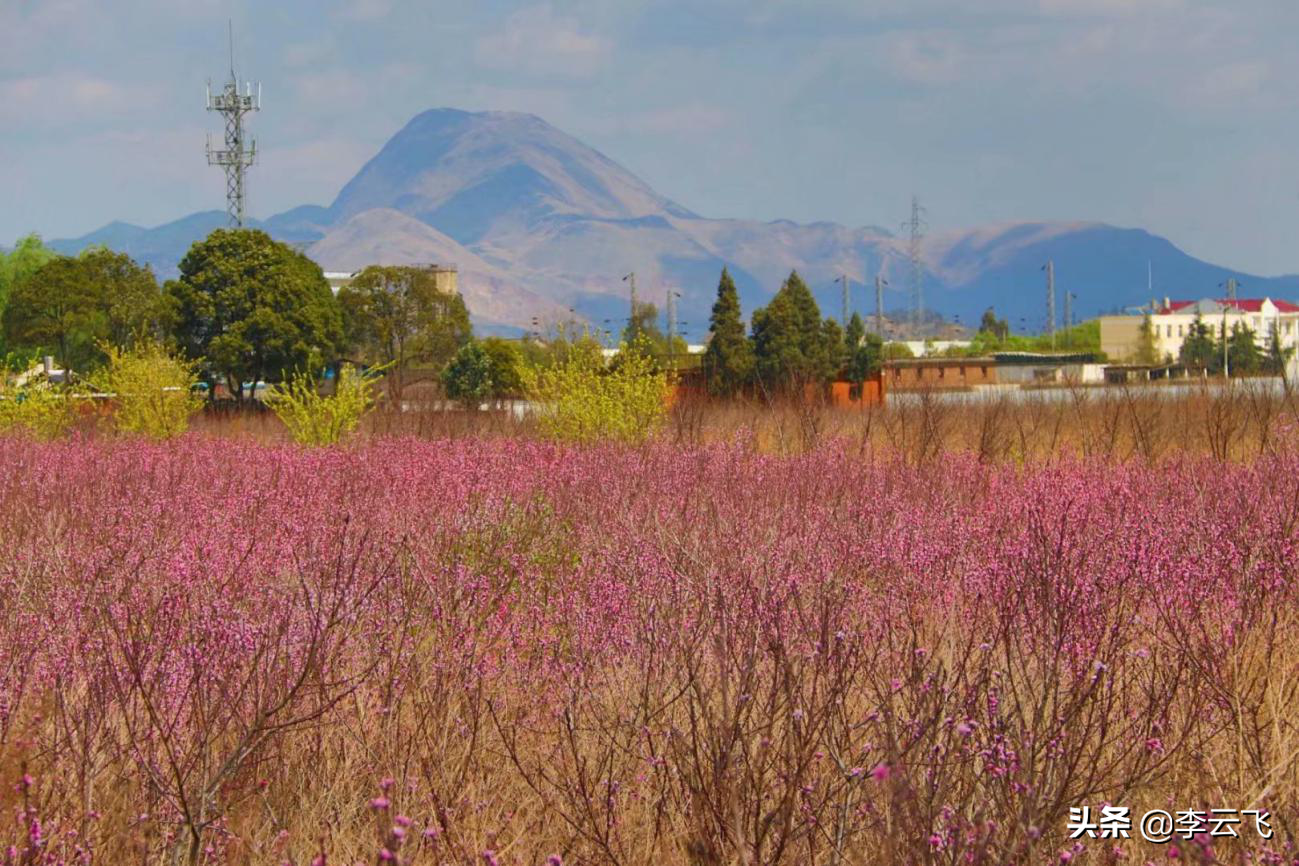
<point>1179,330</point>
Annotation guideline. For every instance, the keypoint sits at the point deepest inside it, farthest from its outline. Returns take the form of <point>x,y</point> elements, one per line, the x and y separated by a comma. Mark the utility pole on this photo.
<point>630,279</point>
<point>880,283</point>
<point>1231,288</point>
<point>239,152</point>
<point>847,299</point>
<point>1050,300</point>
<point>1068,318</point>
<point>1226,371</point>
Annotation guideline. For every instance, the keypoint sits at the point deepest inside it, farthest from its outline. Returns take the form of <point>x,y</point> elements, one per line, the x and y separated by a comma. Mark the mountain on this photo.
<point>543,228</point>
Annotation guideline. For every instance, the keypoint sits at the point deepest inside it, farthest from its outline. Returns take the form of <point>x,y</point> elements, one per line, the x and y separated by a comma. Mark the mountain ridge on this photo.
<point>543,228</point>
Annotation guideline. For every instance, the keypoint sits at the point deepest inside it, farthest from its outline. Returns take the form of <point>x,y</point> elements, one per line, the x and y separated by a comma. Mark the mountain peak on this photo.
<point>472,175</point>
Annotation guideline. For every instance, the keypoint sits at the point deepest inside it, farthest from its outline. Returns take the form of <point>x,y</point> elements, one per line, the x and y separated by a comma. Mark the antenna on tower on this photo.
<point>239,152</point>
<point>916,225</point>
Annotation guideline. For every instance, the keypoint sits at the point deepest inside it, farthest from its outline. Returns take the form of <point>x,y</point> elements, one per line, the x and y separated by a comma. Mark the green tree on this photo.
<point>854,333</point>
<point>789,340</point>
<point>865,359</point>
<point>996,329</point>
<point>27,257</point>
<point>254,308</point>
<point>1198,349</point>
<point>582,399</point>
<point>398,316</point>
<point>1278,355</point>
<point>896,352</point>
<point>832,340</point>
<point>467,379</point>
<point>74,307</point>
<point>506,359</point>
<point>1243,354</point>
<point>643,327</point>
<point>728,360</point>
<point>1146,351</point>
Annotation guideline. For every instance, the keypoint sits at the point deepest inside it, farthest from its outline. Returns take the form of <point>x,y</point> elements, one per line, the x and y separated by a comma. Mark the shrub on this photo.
<point>38,410</point>
<point>580,400</point>
<point>468,378</point>
<point>153,389</point>
<point>314,419</point>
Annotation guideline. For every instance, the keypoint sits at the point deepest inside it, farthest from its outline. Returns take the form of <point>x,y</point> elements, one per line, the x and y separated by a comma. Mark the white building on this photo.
<point>1172,322</point>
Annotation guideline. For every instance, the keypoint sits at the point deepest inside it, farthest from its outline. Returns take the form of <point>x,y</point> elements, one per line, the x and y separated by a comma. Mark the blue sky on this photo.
<point>1174,115</point>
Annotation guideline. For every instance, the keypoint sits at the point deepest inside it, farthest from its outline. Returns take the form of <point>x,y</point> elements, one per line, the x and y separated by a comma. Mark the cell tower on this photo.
<point>847,298</point>
<point>916,225</point>
<point>239,152</point>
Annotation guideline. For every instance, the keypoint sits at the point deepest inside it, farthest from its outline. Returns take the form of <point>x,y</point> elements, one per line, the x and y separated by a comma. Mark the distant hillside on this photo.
<point>540,224</point>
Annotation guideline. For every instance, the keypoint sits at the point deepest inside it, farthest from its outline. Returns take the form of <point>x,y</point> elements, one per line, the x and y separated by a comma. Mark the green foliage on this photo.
<point>506,360</point>
<point>865,358</point>
<point>75,307</point>
<point>1243,354</point>
<point>1277,355</point>
<point>1199,351</point>
<point>38,410</point>
<point>254,308</point>
<point>791,346</point>
<point>397,316</point>
<point>642,334</point>
<point>1083,337</point>
<point>314,419</point>
<point>153,389</point>
<point>1146,352</point>
<point>468,378</point>
<point>995,329</point>
<point>728,360</point>
<point>896,352</point>
<point>580,400</point>
<point>27,257</point>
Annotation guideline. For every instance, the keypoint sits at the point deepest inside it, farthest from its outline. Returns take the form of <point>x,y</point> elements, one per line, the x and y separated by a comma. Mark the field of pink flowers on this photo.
<point>510,652</point>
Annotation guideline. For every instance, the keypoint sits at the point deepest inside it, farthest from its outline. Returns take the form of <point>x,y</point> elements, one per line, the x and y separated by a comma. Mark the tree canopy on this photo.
<point>254,308</point>
<point>74,306</point>
<point>791,345</point>
<point>396,315</point>
<point>728,359</point>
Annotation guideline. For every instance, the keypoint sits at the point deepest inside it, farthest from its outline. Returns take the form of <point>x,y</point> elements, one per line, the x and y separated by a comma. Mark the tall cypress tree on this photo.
<point>853,333</point>
<point>790,343</point>
<point>728,360</point>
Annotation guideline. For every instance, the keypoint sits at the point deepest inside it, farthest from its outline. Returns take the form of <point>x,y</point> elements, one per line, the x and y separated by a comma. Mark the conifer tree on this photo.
<point>728,360</point>
<point>790,343</point>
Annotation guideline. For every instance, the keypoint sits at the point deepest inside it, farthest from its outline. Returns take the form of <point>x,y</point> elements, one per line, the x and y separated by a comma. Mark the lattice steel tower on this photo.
<point>240,151</point>
<point>916,226</point>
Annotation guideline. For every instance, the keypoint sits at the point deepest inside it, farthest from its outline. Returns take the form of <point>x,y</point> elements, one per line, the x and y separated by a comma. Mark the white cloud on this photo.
<point>1109,7</point>
<point>537,41</point>
<point>67,98</point>
<point>680,120</point>
<point>363,10</point>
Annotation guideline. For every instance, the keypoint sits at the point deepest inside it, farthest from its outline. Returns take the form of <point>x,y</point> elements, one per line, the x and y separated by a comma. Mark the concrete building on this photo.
<point>1171,324</point>
<point>445,278</point>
